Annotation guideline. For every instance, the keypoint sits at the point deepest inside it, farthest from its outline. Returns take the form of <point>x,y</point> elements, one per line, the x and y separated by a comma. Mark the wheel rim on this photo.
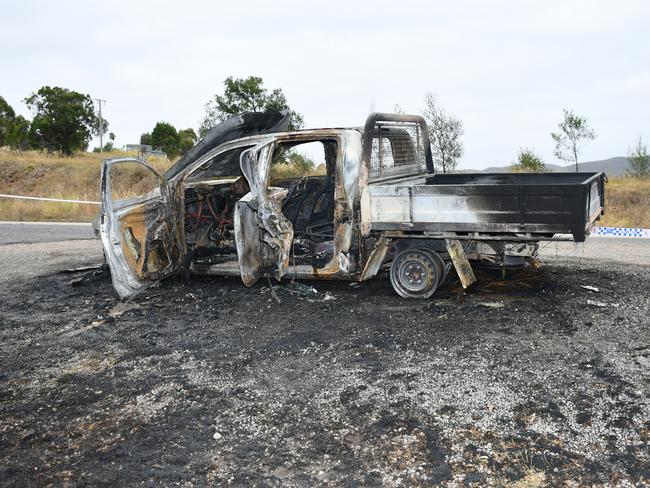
<point>440,265</point>
<point>414,274</point>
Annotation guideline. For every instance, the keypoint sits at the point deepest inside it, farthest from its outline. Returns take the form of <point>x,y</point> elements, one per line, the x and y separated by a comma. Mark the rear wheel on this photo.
<point>416,273</point>
<point>441,269</point>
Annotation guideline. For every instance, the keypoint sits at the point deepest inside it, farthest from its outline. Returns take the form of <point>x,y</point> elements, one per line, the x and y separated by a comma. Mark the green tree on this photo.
<point>145,138</point>
<point>165,137</point>
<point>100,126</point>
<point>64,120</point>
<point>574,133</point>
<point>528,162</point>
<point>186,140</point>
<point>301,163</point>
<point>109,146</point>
<point>445,132</point>
<point>18,135</point>
<point>246,95</point>
<point>639,160</point>
<point>7,117</point>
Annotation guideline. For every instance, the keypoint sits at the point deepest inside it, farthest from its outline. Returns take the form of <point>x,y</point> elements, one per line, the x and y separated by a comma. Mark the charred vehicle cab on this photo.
<point>379,204</point>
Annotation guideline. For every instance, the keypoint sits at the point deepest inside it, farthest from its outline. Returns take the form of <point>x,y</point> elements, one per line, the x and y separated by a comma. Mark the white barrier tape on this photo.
<point>43,199</point>
<point>620,232</point>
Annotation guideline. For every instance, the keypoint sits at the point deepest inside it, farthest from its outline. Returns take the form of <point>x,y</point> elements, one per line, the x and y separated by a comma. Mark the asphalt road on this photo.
<point>30,232</point>
<point>25,261</point>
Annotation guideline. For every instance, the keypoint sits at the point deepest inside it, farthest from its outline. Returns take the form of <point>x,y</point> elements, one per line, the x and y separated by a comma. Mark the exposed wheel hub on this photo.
<point>414,275</point>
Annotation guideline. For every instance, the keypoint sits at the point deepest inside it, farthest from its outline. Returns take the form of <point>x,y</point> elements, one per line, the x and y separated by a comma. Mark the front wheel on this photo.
<point>416,273</point>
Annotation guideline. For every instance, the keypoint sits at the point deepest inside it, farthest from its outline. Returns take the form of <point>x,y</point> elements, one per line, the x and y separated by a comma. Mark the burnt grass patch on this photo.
<point>210,383</point>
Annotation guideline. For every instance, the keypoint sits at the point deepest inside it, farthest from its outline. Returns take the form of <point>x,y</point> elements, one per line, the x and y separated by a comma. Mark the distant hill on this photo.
<point>615,166</point>
<point>612,166</point>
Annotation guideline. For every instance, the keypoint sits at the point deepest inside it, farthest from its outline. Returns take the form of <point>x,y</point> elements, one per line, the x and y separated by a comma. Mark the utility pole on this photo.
<point>101,124</point>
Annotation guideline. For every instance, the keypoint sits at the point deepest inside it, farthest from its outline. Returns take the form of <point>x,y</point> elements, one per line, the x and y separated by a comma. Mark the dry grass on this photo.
<point>531,479</point>
<point>627,203</point>
<point>33,173</point>
<point>283,171</point>
<point>37,174</point>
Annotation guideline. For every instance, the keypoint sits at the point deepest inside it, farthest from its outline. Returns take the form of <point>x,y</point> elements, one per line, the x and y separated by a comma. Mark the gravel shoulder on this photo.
<point>516,383</point>
<point>632,251</point>
<point>23,262</point>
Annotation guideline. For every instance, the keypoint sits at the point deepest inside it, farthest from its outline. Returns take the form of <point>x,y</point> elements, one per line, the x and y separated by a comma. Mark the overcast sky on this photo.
<point>506,68</point>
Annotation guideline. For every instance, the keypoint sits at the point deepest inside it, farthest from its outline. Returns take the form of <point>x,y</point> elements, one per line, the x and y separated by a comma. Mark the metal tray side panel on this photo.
<point>528,207</point>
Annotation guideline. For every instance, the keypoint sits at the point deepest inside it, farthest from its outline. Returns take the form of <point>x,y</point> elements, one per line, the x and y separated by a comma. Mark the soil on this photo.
<point>532,381</point>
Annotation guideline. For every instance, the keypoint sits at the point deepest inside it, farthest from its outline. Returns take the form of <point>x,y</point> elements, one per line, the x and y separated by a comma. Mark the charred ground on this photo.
<point>210,383</point>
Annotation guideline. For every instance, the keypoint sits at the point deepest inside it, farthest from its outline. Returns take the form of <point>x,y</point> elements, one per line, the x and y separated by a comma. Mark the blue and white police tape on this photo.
<point>620,232</point>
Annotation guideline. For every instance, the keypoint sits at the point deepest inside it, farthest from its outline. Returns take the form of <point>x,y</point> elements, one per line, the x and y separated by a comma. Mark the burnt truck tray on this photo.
<point>517,203</point>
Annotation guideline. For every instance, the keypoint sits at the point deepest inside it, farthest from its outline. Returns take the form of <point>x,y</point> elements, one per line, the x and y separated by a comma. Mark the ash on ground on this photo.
<point>516,383</point>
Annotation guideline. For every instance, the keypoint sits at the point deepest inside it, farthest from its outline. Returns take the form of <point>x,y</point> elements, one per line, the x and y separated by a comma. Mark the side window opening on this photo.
<point>303,159</point>
<point>132,182</point>
<point>225,164</point>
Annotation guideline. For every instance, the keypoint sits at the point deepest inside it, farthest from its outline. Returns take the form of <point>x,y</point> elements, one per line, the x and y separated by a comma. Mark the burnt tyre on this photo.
<point>415,273</point>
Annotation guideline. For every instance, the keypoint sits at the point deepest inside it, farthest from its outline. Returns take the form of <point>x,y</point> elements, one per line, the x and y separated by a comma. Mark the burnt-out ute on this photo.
<point>223,209</point>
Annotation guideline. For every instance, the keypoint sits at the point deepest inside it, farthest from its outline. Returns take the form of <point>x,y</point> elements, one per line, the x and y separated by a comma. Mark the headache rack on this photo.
<point>396,145</point>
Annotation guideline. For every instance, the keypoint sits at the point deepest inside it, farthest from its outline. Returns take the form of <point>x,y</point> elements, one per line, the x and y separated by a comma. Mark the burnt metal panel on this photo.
<point>459,258</point>
<point>243,125</point>
<point>263,234</point>
<point>514,203</point>
<point>141,236</point>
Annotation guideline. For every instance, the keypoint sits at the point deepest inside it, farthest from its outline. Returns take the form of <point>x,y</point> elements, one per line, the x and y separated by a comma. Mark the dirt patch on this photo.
<point>211,383</point>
